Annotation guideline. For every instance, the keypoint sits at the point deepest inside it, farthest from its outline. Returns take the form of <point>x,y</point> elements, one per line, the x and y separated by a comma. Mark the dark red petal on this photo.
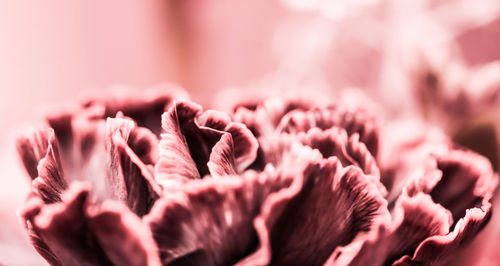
<point>122,235</point>
<point>61,123</point>
<point>262,118</point>
<point>467,179</point>
<point>415,219</point>
<point>303,225</point>
<point>50,182</point>
<point>221,161</point>
<point>40,155</point>
<point>460,180</point>
<point>334,142</point>
<point>32,208</point>
<point>353,120</point>
<point>144,144</point>
<point>69,233</point>
<point>32,149</point>
<point>62,228</point>
<point>245,145</point>
<point>144,107</point>
<point>128,179</point>
<point>175,161</point>
<point>209,221</point>
<point>440,249</point>
<point>408,154</point>
<point>214,119</point>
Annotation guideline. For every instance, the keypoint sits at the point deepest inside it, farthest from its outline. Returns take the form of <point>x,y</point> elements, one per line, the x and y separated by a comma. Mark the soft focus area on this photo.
<point>427,61</point>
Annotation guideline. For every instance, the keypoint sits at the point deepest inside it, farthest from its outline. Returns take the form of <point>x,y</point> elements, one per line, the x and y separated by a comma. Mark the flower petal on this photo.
<point>466,180</point>
<point>128,178</point>
<point>221,161</point>
<point>303,226</point>
<point>209,221</point>
<point>40,155</point>
<point>144,107</point>
<point>245,145</point>
<point>63,230</point>
<point>353,120</point>
<point>415,219</point>
<point>175,161</point>
<point>214,119</point>
<point>50,183</point>
<point>440,249</point>
<point>32,149</point>
<point>69,233</point>
<point>122,235</point>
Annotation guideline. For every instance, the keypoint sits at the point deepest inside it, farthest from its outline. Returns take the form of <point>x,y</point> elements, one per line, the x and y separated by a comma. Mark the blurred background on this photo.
<point>436,59</point>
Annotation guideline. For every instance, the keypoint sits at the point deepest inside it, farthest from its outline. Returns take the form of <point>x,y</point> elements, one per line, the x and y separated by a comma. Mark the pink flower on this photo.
<point>272,182</point>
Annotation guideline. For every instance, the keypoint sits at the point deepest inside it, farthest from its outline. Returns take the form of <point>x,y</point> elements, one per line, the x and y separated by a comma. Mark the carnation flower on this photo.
<point>153,179</point>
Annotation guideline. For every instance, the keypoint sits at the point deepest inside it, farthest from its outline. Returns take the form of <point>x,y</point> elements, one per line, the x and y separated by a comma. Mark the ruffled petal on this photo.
<point>221,161</point>
<point>214,119</point>
<point>440,249</point>
<point>128,179</point>
<point>209,221</point>
<point>144,107</point>
<point>63,231</point>
<point>32,149</point>
<point>349,151</point>
<point>122,235</point>
<point>189,144</point>
<point>464,180</point>
<point>40,155</point>
<point>245,145</point>
<point>175,161</point>
<point>301,225</point>
<point>50,183</point>
<point>415,219</point>
<point>353,120</point>
<point>145,145</point>
<point>69,233</point>
<point>467,180</point>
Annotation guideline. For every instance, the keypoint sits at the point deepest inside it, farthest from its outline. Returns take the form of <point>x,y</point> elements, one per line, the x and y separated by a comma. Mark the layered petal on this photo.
<point>440,249</point>
<point>194,141</point>
<point>128,178</point>
<point>68,233</point>
<point>41,158</point>
<point>144,107</point>
<point>466,181</point>
<point>32,149</point>
<point>175,161</point>
<point>209,222</point>
<point>302,226</point>
<point>415,219</point>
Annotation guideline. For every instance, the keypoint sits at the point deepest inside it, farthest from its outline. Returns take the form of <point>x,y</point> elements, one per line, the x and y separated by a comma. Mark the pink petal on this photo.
<point>69,233</point>
<point>129,180</point>
<point>63,230</point>
<point>353,120</point>
<point>440,249</point>
<point>209,222</point>
<point>301,224</point>
<point>122,235</point>
<point>221,161</point>
<point>466,179</point>
<point>175,161</point>
<point>245,145</point>
<point>42,152</point>
<point>214,119</point>
<point>32,149</point>
<point>144,107</point>
<point>415,219</point>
